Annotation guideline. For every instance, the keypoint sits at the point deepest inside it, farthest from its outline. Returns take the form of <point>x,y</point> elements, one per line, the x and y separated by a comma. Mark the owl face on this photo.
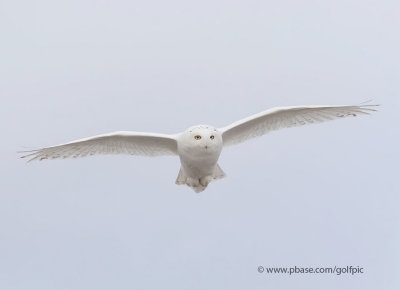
<point>202,139</point>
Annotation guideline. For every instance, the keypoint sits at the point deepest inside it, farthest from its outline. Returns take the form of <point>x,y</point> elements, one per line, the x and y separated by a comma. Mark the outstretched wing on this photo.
<point>131,143</point>
<point>286,117</point>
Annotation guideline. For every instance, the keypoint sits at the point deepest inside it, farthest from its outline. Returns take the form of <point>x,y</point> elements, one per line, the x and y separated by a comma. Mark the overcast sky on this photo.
<point>318,196</point>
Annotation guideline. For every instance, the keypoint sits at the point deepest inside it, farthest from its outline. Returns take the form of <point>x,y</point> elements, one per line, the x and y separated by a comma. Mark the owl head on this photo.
<point>201,139</point>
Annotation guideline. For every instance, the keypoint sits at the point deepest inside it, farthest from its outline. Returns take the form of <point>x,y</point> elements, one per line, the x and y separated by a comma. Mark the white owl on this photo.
<point>199,146</point>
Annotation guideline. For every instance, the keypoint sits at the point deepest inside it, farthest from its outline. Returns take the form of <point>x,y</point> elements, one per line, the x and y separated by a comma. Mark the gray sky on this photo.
<point>321,195</point>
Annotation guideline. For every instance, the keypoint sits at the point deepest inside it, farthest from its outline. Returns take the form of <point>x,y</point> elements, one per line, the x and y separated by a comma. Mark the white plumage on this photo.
<point>198,147</point>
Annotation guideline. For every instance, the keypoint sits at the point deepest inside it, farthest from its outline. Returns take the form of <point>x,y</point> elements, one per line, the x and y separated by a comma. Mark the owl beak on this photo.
<point>206,147</point>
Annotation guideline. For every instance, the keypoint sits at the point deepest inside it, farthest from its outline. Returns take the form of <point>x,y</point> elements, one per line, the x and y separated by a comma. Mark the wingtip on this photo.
<point>369,107</point>
<point>368,104</point>
<point>31,153</point>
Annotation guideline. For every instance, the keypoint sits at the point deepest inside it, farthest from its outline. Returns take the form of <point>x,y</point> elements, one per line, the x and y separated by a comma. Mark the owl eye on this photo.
<point>197,137</point>
<point>212,137</point>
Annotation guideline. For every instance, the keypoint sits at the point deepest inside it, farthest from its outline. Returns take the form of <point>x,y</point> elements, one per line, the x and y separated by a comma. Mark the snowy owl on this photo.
<point>199,147</point>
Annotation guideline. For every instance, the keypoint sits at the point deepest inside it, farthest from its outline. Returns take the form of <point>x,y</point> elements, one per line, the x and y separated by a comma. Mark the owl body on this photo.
<point>199,148</point>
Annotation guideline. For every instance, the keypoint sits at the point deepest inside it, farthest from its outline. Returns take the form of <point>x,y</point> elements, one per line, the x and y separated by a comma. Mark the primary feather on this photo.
<point>286,117</point>
<point>131,143</point>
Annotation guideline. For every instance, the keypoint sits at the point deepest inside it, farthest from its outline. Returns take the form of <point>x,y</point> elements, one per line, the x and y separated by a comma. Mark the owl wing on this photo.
<point>286,117</point>
<point>131,143</point>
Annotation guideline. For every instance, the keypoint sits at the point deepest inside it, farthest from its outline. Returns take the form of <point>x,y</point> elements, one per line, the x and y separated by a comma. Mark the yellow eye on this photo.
<point>212,137</point>
<point>197,137</point>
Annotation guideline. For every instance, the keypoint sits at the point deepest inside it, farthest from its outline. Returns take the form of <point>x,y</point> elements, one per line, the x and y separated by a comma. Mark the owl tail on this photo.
<point>201,184</point>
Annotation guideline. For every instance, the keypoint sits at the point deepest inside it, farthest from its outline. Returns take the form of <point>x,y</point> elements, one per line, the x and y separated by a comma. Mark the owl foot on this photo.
<point>192,182</point>
<point>204,181</point>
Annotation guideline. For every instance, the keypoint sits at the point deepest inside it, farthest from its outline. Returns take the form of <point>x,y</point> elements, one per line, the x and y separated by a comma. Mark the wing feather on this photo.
<point>286,117</point>
<point>123,142</point>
